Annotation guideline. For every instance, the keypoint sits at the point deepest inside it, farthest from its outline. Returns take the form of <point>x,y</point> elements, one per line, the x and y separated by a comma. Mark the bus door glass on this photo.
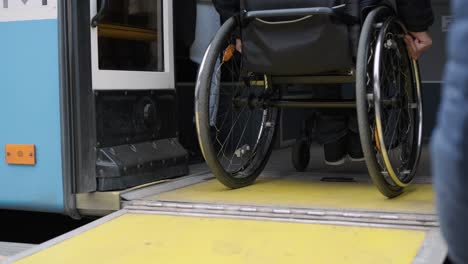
<point>131,44</point>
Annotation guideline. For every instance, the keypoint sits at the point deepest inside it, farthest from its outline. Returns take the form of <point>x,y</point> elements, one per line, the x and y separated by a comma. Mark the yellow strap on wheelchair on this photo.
<point>377,140</point>
<point>229,53</point>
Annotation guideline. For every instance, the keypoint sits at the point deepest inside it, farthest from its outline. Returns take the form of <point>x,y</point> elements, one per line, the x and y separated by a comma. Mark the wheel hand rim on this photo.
<point>378,109</point>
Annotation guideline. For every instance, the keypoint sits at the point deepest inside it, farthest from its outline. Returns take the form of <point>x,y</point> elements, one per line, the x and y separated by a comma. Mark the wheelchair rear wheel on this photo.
<point>389,103</point>
<point>236,129</point>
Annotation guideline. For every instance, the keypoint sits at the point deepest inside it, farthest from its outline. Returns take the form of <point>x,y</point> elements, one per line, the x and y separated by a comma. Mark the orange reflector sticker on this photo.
<point>229,53</point>
<point>20,154</point>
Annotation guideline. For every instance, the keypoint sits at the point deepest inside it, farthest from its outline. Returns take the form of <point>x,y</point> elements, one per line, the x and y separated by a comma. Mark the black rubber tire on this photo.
<point>301,155</point>
<point>368,147</point>
<point>202,94</point>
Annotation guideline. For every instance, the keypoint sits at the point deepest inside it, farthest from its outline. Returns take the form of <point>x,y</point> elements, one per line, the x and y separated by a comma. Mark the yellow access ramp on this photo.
<point>148,238</point>
<point>286,217</point>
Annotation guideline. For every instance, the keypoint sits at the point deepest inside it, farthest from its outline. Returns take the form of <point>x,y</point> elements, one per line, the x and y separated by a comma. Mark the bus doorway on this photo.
<point>122,73</point>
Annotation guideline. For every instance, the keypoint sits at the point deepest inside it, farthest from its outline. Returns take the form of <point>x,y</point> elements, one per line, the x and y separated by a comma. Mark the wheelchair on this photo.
<point>240,89</point>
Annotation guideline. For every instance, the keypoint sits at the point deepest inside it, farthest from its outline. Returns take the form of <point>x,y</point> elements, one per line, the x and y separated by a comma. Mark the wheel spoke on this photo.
<point>229,120</point>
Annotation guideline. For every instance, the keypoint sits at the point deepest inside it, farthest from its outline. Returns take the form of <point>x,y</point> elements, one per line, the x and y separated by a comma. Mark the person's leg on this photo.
<point>335,151</point>
<point>451,185</point>
<point>450,141</point>
<point>450,166</point>
<point>332,126</point>
<point>353,144</point>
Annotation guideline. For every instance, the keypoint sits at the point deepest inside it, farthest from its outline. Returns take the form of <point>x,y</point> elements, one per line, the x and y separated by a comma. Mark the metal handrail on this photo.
<point>96,19</point>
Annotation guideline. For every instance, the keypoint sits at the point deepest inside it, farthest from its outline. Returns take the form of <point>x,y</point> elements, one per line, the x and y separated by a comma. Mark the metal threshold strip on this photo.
<point>309,215</point>
<point>310,201</point>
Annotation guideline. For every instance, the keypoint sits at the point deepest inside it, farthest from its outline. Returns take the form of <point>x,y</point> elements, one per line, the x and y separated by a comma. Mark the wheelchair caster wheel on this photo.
<point>301,155</point>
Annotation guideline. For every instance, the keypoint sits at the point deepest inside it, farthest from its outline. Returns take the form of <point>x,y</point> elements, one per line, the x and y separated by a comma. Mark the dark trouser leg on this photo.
<point>354,148</point>
<point>332,126</point>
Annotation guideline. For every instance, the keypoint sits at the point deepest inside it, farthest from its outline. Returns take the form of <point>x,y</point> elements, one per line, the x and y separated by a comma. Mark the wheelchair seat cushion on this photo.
<point>295,45</point>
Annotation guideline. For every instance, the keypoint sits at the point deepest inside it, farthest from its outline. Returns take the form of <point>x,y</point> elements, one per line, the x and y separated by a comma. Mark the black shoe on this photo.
<point>335,152</point>
<point>354,148</point>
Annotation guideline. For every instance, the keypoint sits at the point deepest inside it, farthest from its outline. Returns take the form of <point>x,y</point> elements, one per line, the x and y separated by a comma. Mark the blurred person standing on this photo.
<point>449,144</point>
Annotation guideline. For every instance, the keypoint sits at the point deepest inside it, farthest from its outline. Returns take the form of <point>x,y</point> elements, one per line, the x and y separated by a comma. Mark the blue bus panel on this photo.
<point>30,114</point>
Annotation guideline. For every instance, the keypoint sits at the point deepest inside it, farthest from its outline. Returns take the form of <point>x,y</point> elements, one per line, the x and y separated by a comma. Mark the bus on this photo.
<point>96,111</point>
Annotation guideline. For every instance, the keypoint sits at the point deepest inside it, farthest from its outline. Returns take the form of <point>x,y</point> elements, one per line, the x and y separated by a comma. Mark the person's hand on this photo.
<point>418,43</point>
<point>239,45</point>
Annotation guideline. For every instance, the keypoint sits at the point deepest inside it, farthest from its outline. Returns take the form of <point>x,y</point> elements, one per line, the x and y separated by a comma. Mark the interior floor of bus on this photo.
<point>324,215</point>
<point>321,186</point>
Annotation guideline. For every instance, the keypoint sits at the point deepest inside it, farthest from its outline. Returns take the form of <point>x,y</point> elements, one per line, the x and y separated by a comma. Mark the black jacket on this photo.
<point>226,8</point>
<point>185,15</point>
<point>416,14</point>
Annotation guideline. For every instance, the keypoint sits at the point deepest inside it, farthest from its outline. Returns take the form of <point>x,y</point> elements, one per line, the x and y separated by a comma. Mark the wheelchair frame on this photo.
<point>380,19</point>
